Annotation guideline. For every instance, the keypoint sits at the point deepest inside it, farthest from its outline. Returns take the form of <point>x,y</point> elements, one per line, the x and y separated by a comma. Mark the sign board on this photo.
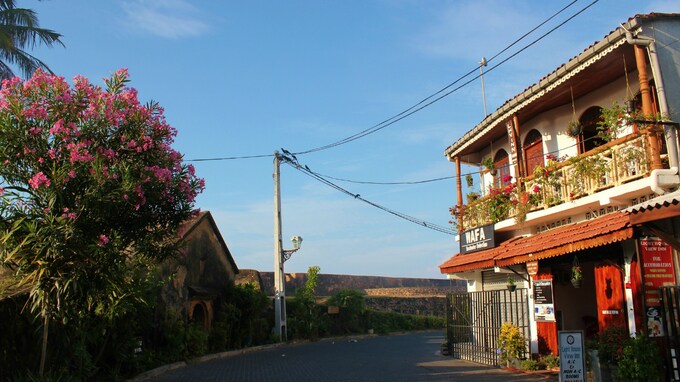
<point>532,268</point>
<point>544,308</point>
<point>477,239</point>
<point>333,309</point>
<point>657,268</point>
<point>572,356</point>
<point>512,138</point>
<point>657,271</point>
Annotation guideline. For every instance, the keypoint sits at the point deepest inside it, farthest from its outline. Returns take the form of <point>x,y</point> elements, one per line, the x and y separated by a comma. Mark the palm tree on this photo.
<point>19,30</point>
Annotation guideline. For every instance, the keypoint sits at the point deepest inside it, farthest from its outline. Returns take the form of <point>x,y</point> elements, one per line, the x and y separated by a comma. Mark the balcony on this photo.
<point>561,180</point>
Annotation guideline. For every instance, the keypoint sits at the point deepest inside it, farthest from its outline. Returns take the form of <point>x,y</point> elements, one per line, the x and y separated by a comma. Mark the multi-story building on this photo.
<point>576,201</point>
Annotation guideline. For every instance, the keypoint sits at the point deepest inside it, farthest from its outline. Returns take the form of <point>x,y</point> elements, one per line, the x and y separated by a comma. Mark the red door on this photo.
<point>611,309</point>
<point>533,155</point>
<point>546,331</point>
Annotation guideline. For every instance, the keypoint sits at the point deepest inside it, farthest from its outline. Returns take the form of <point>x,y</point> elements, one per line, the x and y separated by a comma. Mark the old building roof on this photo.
<point>191,224</point>
<point>570,238</point>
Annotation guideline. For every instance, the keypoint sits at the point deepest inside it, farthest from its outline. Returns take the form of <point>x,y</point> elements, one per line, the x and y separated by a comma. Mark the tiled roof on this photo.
<point>604,230</point>
<point>598,47</point>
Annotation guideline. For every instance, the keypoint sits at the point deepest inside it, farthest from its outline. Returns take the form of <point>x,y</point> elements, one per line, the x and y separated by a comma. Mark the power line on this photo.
<point>417,107</point>
<point>305,170</point>
<point>422,104</point>
<point>389,183</point>
<point>229,158</point>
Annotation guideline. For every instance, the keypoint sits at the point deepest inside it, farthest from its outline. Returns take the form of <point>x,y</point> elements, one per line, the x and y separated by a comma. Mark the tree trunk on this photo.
<point>43,353</point>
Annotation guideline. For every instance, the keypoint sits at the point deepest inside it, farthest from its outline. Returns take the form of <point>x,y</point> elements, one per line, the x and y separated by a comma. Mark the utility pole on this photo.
<point>279,276</point>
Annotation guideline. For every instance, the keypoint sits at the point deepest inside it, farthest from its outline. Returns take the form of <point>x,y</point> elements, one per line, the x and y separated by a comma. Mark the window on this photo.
<point>588,138</point>
<point>533,151</point>
<point>501,162</point>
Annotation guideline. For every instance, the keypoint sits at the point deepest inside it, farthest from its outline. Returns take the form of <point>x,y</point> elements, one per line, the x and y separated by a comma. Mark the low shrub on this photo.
<point>550,361</point>
<point>530,365</point>
<point>640,361</point>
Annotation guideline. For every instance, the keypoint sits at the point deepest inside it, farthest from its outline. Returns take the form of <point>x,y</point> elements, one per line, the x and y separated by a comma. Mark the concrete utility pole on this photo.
<point>280,254</point>
<point>279,276</point>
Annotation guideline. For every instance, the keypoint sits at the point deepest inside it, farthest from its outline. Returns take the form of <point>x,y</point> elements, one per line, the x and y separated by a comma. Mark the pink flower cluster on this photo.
<point>94,137</point>
<point>103,240</point>
<point>39,180</point>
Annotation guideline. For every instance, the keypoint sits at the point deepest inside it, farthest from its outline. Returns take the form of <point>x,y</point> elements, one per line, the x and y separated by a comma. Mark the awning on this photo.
<point>575,237</point>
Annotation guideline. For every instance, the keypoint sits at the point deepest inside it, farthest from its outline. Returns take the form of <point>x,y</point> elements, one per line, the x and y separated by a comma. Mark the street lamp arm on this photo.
<point>287,253</point>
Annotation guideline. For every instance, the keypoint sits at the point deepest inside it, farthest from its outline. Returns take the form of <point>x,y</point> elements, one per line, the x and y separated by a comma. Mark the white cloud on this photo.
<point>165,18</point>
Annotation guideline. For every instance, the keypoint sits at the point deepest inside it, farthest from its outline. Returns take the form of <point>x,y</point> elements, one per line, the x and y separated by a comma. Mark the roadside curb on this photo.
<point>545,374</point>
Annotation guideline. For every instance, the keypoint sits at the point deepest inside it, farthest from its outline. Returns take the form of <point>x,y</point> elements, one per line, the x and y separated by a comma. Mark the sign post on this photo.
<point>572,356</point>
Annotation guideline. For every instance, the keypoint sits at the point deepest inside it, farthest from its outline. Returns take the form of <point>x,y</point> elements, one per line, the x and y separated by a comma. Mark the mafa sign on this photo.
<point>477,239</point>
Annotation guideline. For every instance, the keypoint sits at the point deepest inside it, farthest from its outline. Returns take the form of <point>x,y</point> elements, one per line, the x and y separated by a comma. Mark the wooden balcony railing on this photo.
<point>618,162</point>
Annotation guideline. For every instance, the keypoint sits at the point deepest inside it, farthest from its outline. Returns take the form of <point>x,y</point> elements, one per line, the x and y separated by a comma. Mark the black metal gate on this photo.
<point>474,319</point>
<point>670,301</point>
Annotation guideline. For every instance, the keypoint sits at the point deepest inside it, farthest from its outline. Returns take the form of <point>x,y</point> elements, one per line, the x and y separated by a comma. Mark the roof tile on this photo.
<point>604,230</point>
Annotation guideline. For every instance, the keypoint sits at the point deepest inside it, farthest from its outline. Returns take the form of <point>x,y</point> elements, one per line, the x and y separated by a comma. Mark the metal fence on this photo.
<point>474,321</point>
<point>670,301</point>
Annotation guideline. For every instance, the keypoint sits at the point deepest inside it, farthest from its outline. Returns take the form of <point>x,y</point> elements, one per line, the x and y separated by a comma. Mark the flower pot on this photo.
<point>574,129</point>
<point>512,287</point>
<point>576,283</point>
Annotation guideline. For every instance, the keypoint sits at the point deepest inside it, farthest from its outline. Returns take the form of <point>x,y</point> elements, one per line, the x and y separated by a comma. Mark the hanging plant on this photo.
<point>574,128</point>
<point>576,273</point>
<point>489,165</point>
<point>469,180</point>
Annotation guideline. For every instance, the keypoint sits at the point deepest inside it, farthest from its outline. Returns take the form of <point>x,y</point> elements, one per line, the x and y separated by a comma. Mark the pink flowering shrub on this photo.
<point>90,184</point>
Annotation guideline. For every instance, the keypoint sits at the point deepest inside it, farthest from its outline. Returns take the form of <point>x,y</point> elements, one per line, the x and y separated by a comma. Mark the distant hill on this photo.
<point>372,285</point>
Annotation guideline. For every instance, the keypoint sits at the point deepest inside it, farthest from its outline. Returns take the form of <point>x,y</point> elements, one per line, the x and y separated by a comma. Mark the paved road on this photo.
<point>407,357</point>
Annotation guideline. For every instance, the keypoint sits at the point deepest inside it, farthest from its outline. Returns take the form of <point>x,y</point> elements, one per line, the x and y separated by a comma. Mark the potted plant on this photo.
<point>576,275</point>
<point>489,165</point>
<point>511,284</point>
<point>574,128</point>
<point>469,180</point>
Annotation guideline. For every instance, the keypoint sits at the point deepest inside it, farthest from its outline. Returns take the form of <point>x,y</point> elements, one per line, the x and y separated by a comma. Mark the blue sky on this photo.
<point>240,78</point>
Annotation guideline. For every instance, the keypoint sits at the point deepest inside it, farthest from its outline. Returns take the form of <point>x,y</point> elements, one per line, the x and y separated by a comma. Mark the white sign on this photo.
<point>572,361</point>
<point>544,308</point>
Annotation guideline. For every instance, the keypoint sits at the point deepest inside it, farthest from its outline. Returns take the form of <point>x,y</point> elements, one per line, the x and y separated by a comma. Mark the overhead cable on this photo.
<point>305,170</point>
<point>424,103</point>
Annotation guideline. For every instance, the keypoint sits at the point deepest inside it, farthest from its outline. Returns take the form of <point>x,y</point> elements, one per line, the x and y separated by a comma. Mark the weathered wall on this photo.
<point>328,285</point>
<point>388,294</point>
<point>424,306</point>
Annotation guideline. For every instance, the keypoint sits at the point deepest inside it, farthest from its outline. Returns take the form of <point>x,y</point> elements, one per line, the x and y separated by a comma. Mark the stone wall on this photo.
<point>329,285</point>
<point>423,306</point>
<point>387,294</point>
